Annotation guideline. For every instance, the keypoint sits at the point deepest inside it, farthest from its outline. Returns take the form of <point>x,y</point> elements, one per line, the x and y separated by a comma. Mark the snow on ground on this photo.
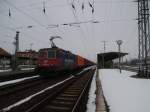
<point>123,93</point>
<point>90,67</point>
<point>85,69</point>
<point>27,68</point>
<point>34,95</point>
<point>17,80</point>
<point>8,70</point>
<point>91,101</point>
<point>5,70</point>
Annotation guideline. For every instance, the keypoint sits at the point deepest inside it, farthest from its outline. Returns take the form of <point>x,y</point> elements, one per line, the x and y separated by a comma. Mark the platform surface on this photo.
<point>100,103</point>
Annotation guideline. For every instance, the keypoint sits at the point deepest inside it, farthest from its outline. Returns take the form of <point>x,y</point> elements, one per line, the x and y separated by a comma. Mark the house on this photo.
<point>28,57</point>
<point>5,58</point>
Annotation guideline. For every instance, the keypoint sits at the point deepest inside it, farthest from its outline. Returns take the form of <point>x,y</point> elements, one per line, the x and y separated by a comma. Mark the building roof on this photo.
<point>109,56</point>
<point>4,53</point>
<point>27,54</point>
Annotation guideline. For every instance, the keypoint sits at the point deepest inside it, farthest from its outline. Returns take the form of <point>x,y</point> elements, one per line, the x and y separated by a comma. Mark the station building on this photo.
<point>28,57</point>
<point>5,59</point>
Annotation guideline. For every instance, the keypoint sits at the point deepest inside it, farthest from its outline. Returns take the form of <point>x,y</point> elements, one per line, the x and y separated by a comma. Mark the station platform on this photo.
<point>101,105</point>
<point>9,75</point>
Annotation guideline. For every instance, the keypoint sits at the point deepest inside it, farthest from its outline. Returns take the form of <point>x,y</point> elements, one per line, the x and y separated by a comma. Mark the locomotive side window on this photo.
<point>51,54</point>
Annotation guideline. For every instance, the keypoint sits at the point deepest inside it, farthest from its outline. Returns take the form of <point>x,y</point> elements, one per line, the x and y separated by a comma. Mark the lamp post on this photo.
<point>119,42</point>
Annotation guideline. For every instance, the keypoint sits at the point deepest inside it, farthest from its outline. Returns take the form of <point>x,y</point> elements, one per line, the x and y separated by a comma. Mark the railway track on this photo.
<point>71,98</point>
<point>7,76</point>
<point>28,83</point>
<point>15,87</point>
<point>13,93</point>
<point>68,96</point>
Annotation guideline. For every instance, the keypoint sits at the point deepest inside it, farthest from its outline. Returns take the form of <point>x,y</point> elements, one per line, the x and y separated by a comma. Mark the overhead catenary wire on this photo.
<point>38,3</point>
<point>9,13</point>
<point>117,20</point>
<point>84,18</point>
<point>27,15</point>
<point>21,11</point>
<point>91,4</point>
<point>44,9</point>
<point>21,28</point>
<point>25,34</point>
<point>47,20</point>
<point>86,25</point>
<point>81,31</point>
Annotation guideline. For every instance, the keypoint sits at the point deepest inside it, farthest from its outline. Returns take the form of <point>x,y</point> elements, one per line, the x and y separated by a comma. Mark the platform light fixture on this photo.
<point>119,42</point>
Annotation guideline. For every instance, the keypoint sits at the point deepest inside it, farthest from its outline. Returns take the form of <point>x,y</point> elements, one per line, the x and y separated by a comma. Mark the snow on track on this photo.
<point>27,68</point>
<point>8,70</point>
<point>17,80</point>
<point>32,96</point>
<point>85,69</point>
<point>124,93</point>
<point>91,107</point>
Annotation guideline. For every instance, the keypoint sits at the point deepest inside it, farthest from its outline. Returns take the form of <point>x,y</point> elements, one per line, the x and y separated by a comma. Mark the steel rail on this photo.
<point>83,91</point>
<point>36,106</point>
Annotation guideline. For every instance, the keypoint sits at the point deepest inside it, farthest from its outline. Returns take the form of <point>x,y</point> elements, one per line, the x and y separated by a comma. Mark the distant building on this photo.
<point>5,58</point>
<point>28,57</point>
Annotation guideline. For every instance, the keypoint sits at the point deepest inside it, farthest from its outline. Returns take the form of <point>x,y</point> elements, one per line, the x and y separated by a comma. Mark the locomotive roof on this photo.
<point>54,48</point>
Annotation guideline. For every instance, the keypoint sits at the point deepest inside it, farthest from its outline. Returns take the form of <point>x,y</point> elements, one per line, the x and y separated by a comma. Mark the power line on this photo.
<point>25,34</point>
<point>81,31</point>
<point>21,11</point>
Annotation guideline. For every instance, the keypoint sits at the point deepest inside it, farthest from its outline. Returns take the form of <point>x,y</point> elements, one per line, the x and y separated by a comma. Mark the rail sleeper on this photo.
<point>65,101</point>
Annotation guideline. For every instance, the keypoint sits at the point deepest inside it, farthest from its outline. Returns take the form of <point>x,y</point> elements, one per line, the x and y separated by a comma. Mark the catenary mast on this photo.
<point>143,36</point>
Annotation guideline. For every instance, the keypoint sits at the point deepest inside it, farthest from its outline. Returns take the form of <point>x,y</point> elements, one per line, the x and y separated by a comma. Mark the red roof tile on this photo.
<point>4,53</point>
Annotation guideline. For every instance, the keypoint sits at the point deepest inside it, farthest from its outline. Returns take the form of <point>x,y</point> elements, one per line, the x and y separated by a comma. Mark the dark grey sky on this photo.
<point>117,20</point>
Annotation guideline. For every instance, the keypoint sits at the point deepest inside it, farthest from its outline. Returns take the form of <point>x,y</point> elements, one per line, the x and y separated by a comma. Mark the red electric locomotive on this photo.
<point>56,59</point>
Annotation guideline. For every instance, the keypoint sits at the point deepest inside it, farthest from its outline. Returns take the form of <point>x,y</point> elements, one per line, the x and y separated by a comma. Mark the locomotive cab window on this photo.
<point>51,54</point>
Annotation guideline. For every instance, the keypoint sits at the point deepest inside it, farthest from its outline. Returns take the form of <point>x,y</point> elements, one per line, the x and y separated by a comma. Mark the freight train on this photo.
<point>56,59</point>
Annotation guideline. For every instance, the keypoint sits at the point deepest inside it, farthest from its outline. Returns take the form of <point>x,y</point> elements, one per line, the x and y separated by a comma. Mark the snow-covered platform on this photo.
<point>96,102</point>
<point>124,93</point>
<point>100,102</point>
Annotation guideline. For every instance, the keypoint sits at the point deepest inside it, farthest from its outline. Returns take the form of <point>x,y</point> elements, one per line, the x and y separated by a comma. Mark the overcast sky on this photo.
<point>117,21</point>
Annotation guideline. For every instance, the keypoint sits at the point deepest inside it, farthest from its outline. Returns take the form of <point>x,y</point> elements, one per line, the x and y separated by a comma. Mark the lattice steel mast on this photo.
<point>144,38</point>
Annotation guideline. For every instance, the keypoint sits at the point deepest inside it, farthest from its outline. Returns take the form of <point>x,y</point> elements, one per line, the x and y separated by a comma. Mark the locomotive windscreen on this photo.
<point>51,54</point>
